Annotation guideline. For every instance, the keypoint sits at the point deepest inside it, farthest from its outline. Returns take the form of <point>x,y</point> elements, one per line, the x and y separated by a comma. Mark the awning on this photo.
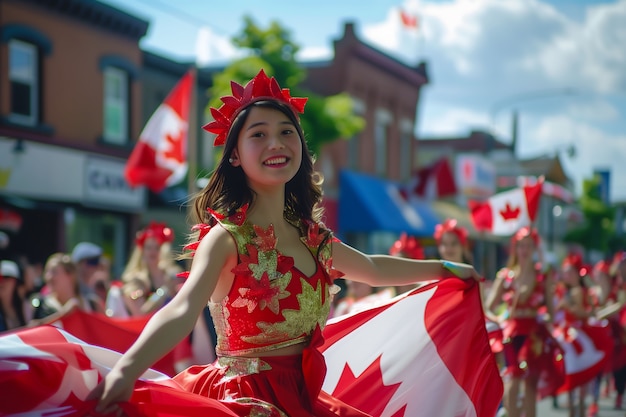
<point>368,204</point>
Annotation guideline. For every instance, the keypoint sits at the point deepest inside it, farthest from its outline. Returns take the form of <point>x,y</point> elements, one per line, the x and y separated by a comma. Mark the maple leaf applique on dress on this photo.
<point>263,293</point>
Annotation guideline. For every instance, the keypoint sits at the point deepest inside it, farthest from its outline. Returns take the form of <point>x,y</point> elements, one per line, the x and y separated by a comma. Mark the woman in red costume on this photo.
<point>452,242</point>
<point>149,278</point>
<point>574,309</point>
<point>529,346</point>
<point>265,264</point>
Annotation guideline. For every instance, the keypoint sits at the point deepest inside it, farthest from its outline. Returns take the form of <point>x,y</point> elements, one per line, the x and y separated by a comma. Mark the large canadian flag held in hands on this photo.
<point>424,353</point>
<point>159,159</point>
<point>505,213</point>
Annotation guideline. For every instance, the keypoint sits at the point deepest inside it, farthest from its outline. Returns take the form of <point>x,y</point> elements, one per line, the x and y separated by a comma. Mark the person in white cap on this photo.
<point>11,304</point>
<point>87,257</point>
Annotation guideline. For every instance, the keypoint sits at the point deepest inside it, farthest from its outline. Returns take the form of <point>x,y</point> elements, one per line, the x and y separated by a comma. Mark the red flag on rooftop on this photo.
<point>408,20</point>
<point>504,213</point>
<point>159,159</point>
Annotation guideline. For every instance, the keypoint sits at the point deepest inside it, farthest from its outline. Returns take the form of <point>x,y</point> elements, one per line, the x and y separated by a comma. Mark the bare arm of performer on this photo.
<point>494,298</point>
<point>386,270</point>
<point>215,257</point>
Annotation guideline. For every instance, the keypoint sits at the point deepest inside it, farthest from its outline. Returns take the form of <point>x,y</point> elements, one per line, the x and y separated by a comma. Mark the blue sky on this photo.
<point>560,63</point>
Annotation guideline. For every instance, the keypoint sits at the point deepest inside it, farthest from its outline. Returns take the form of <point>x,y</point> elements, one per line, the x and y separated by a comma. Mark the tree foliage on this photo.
<point>326,118</point>
<point>598,229</point>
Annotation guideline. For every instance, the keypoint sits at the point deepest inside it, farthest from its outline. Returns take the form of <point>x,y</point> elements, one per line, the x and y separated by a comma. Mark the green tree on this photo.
<point>326,118</point>
<point>598,229</point>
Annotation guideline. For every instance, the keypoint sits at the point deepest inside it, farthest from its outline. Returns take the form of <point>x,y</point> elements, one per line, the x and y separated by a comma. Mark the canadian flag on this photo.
<point>505,213</point>
<point>159,159</point>
<point>422,353</point>
<point>588,351</point>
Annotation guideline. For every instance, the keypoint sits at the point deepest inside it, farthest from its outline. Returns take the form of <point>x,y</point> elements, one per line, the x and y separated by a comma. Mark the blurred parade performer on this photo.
<point>11,303</point>
<point>149,278</point>
<point>62,291</point>
<point>530,351</point>
<point>587,342</point>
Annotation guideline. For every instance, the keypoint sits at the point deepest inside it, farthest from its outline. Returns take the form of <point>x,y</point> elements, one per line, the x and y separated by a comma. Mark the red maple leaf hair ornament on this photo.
<point>158,231</point>
<point>261,87</point>
<point>524,232</point>
<point>408,247</point>
<point>451,226</point>
<point>510,213</point>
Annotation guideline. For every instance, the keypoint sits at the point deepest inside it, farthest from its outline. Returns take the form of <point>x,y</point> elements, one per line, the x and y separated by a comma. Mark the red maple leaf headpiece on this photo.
<point>261,87</point>
<point>408,247</point>
<point>451,226</point>
<point>526,232</point>
<point>573,260</point>
<point>158,231</point>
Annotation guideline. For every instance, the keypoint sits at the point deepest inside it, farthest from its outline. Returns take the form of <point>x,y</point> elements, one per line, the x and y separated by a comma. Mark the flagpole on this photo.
<point>192,139</point>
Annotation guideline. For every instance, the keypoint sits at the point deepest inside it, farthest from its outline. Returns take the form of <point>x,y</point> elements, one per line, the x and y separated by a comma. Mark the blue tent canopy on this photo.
<point>368,204</point>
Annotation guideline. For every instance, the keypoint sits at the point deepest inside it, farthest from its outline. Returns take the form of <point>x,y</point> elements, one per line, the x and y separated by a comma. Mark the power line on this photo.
<point>181,14</point>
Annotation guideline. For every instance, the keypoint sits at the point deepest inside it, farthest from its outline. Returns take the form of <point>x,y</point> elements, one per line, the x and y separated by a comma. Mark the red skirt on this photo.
<point>530,350</point>
<point>269,386</point>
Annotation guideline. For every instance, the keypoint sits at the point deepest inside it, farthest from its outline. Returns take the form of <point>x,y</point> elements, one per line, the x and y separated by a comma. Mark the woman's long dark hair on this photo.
<point>228,189</point>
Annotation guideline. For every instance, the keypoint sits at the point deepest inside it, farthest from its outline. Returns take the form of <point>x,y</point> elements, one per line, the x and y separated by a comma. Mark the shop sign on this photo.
<point>105,186</point>
<point>475,176</point>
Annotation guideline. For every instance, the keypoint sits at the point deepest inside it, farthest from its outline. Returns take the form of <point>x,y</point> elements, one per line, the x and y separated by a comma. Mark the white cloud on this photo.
<point>315,53</point>
<point>212,48</point>
<point>452,121</point>
<point>595,148</point>
<point>595,110</point>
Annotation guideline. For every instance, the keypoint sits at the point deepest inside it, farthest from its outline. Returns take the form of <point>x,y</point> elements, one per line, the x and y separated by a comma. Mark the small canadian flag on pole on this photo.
<point>505,213</point>
<point>409,21</point>
<point>159,159</point>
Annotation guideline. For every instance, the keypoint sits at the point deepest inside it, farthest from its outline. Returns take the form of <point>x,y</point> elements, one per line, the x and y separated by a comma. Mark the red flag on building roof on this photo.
<point>159,159</point>
<point>408,20</point>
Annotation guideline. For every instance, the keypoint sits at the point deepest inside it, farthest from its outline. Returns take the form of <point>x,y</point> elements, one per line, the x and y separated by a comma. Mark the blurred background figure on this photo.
<point>150,277</point>
<point>62,291</point>
<point>406,247</point>
<point>452,243</point>
<point>529,348</point>
<point>574,309</point>
<point>604,297</point>
<point>359,296</point>
<point>11,303</point>
<point>87,258</point>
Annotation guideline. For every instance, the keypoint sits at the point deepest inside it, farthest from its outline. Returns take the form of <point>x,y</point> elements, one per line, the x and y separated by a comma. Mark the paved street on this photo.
<point>545,408</point>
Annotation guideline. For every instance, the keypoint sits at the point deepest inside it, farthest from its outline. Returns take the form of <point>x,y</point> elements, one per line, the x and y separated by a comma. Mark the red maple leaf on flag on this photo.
<point>176,150</point>
<point>509,213</point>
<point>372,377</point>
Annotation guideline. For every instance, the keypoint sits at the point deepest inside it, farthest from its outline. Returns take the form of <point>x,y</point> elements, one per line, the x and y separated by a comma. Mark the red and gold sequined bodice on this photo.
<point>271,303</point>
<point>532,301</point>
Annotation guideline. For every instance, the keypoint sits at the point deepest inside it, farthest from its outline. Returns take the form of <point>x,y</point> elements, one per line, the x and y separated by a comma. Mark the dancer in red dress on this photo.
<point>530,349</point>
<point>266,265</point>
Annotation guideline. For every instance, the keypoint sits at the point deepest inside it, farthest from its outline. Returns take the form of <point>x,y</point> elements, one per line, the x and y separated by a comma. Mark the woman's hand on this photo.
<point>113,389</point>
<point>463,271</point>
